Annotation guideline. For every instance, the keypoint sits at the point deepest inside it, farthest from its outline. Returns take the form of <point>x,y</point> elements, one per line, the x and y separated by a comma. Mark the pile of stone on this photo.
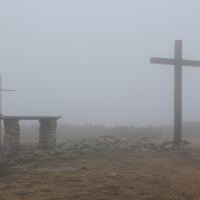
<point>102,143</point>
<point>87,145</point>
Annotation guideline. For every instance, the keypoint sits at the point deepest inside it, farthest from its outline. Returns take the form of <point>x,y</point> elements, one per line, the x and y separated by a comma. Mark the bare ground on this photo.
<point>147,176</point>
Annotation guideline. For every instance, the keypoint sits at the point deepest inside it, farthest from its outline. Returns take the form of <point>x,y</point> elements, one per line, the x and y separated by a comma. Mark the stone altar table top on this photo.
<point>30,117</point>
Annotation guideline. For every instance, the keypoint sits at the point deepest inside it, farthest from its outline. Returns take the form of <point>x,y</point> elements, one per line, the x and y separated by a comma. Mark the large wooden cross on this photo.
<point>178,62</point>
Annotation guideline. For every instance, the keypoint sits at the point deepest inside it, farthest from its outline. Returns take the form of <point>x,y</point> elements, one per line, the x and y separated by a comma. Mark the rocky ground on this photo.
<point>102,168</point>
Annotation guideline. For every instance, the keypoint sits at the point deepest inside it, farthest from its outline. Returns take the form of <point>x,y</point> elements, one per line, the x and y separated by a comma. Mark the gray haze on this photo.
<point>89,60</point>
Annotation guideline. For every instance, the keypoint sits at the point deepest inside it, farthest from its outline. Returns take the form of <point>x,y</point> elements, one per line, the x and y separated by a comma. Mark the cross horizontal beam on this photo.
<point>171,61</point>
<point>192,63</point>
<point>163,61</point>
<point>6,90</point>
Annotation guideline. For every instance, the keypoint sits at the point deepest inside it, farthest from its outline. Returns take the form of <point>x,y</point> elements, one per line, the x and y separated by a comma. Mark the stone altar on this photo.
<point>47,131</point>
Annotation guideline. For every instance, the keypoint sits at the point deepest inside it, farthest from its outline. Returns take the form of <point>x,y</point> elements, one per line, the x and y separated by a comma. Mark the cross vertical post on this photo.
<point>178,62</point>
<point>1,106</point>
<point>178,92</point>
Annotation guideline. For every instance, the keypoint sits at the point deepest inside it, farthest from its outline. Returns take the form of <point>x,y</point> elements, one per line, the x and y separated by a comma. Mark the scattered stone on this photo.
<point>85,151</point>
<point>90,143</point>
<point>12,162</point>
<point>17,167</point>
<point>195,154</point>
<point>7,155</point>
<point>21,193</point>
<point>166,144</point>
<point>40,153</point>
<point>67,157</point>
<point>60,144</point>
<point>70,169</point>
<point>185,144</point>
<point>144,150</point>
<point>82,141</point>
<point>67,145</point>
<point>108,139</point>
<point>112,174</point>
<point>57,151</point>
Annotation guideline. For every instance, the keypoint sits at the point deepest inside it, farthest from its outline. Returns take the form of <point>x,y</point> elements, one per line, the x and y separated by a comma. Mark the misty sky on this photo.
<point>88,61</point>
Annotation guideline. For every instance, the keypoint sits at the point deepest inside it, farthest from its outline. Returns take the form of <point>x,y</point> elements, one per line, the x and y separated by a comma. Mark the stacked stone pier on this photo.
<point>12,134</point>
<point>47,137</point>
<point>47,131</point>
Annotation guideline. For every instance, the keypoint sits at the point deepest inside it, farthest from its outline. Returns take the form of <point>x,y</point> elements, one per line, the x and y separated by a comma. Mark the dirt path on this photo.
<point>149,176</point>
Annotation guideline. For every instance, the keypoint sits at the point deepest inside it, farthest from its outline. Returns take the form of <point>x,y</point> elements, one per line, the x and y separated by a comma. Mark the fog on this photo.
<point>89,61</point>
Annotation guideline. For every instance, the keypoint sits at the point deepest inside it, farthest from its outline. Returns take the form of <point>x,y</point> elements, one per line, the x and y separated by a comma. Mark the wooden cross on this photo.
<point>1,103</point>
<point>178,62</point>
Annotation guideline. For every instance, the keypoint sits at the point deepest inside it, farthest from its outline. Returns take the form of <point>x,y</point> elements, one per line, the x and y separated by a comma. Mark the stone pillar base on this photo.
<point>47,137</point>
<point>12,134</point>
